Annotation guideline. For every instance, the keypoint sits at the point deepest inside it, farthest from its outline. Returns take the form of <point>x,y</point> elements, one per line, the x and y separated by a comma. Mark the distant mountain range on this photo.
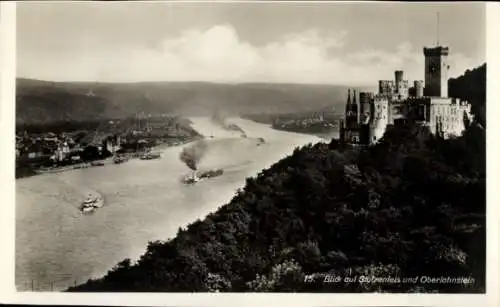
<point>40,102</point>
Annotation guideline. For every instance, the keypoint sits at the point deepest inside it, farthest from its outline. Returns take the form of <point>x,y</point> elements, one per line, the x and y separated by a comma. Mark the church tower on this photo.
<point>351,111</point>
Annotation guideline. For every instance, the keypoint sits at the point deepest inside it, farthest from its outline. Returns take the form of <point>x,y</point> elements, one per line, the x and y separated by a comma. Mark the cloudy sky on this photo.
<point>337,43</point>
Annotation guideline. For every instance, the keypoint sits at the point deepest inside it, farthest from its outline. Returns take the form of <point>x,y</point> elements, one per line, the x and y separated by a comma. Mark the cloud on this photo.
<point>218,54</point>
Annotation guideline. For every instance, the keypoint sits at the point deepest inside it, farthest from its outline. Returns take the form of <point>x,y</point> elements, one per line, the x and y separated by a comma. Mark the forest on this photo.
<point>413,205</point>
<point>410,206</point>
<point>471,86</point>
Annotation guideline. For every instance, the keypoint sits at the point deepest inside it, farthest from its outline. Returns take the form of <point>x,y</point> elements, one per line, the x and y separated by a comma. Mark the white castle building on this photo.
<point>397,103</point>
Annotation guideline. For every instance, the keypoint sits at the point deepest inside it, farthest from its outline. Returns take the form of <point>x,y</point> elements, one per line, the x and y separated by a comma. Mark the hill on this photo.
<point>411,206</point>
<point>471,86</point>
<point>45,102</point>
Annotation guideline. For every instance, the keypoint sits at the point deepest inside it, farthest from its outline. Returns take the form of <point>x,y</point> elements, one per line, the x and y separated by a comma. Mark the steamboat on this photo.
<point>198,176</point>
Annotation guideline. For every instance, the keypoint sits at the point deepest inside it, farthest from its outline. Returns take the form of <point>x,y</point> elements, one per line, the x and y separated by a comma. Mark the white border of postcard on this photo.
<point>8,293</point>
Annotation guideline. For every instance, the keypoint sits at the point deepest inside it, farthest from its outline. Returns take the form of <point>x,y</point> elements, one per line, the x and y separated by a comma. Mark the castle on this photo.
<point>396,103</point>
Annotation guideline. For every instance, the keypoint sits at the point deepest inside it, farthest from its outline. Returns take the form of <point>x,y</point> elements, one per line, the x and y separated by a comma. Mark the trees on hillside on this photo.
<point>471,86</point>
<point>409,206</point>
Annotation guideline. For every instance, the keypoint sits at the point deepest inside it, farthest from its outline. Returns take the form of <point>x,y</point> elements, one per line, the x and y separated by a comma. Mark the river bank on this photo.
<point>29,171</point>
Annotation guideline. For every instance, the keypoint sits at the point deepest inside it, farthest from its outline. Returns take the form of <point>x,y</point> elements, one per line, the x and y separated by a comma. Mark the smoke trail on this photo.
<point>220,119</point>
<point>193,154</point>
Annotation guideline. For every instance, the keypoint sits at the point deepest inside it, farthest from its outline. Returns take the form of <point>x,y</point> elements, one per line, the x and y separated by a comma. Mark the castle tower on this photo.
<point>399,79</point>
<point>436,71</point>
<point>380,118</point>
<point>401,85</point>
<point>419,88</point>
<point>365,100</point>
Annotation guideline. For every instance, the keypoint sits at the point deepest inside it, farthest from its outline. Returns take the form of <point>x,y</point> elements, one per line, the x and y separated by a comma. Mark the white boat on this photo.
<point>91,203</point>
<point>150,156</point>
<point>191,179</point>
<point>88,209</point>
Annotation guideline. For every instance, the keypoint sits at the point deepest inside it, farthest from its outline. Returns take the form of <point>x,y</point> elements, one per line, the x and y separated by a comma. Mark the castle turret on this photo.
<point>380,118</point>
<point>418,86</point>
<point>398,77</point>
<point>365,99</point>
<point>401,85</point>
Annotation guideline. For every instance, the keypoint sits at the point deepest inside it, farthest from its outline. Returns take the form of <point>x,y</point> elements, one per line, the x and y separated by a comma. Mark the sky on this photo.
<point>235,42</point>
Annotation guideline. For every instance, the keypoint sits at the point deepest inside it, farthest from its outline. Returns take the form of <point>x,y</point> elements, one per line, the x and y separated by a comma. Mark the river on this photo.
<point>57,246</point>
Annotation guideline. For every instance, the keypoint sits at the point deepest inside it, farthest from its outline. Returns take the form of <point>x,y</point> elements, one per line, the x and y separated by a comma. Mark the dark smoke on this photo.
<point>220,119</point>
<point>193,154</point>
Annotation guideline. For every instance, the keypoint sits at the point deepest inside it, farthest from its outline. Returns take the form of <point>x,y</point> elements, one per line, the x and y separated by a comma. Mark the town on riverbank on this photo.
<point>64,146</point>
<point>317,123</point>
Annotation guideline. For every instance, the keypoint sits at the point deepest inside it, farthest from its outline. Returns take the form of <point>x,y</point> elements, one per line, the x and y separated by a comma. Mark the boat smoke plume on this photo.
<point>220,119</point>
<point>193,154</point>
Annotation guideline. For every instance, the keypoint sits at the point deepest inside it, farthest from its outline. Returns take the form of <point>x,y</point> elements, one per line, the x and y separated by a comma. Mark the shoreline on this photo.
<point>27,171</point>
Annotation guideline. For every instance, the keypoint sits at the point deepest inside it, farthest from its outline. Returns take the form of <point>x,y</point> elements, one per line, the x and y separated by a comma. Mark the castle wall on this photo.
<point>448,115</point>
<point>397,112</point>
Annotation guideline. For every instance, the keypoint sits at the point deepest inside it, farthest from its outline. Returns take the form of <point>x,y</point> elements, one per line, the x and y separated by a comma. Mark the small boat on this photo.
<point>191,179</point>
<point>150,156</point>
<point>97,163</point>
<point>88,209</point>
<point>91,203</point>
<point>194,178</point>
<point>119,159</point>
<point>52,170</point>
<point>212,173</point>
<point>260,141</point>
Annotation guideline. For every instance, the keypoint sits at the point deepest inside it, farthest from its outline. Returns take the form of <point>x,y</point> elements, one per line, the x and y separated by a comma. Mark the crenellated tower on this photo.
<point>436,71</point>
